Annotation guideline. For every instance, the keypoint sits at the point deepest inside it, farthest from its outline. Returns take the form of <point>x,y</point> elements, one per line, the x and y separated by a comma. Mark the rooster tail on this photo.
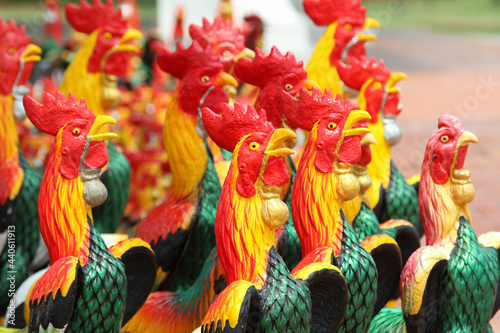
<point>182,311</point>
<point>388,320</point>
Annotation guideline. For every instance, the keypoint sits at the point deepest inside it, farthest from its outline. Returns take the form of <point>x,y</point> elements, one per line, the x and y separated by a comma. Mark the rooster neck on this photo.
<point>80,82</point>
<point>379,169</point>
<point>186,151</point>
<point>319,68</point>
<point>440,214</point>
<point>243,239</point>
<point>62,212</point>
<point>315,204</point>
<point>10,170</point>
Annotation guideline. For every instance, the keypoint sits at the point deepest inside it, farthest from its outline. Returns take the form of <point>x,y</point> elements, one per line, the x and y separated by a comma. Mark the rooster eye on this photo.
<point>76,131</point>
<point>445,138</point>
<point>107,35</point>
<point>226,53</point>
<point>205,79</point>
<point>254,146</point>
<point>288,87</point>
<point>332,125</point>
<point>377,85</point>
<point>348,27</point>
<point>12,50</point>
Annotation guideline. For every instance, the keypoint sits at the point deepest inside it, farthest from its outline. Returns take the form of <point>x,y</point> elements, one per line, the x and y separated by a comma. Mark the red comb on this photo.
<point>12,36</point>
<point>89,17</point>
<point>305,111</point>
<point>55,112</point>
<point>227,130</point>
<point>183,60</point>
<point>216,33</point>
<point>356,76</point>
<point>262,69</point>
<point>324,12</point>
<point>450,121</point>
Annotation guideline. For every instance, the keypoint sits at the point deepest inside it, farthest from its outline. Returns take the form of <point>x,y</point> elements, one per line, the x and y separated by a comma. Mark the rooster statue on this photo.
<point>272,74</point>
<point>324,179</point>
<point>261,294</point>
<point>180,230</point>
<point>93,74</point>
<point>347,30</point>
<point>88,287</point>
<point>390,196</point>
<point>450,285</point>
<point>19,183</point>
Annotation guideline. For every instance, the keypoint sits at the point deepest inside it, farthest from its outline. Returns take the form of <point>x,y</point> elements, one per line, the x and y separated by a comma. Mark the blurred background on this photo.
<point>450,50</point>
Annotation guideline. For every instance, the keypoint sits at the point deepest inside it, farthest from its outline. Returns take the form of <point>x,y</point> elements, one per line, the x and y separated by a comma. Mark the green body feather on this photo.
<point>202,234</point>
<point>286,303</point>
<point>400,200</point>
<point>469,284</point>
<point>100,301</point>
<point>359,269</point>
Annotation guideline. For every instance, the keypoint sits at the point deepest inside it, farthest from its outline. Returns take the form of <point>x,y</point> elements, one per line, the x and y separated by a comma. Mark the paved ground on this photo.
<point>459,75</point>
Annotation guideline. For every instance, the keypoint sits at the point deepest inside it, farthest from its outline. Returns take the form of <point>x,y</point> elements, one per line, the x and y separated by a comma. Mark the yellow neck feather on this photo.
<point>351,208</point>
<point>249,238</point>
<point>316,208</point>
<point>62,211</point>
<point>81,83</point>
<point>11,174</point>
<point>319,68</point>
<point>186,151</point>
<point>442,226</point>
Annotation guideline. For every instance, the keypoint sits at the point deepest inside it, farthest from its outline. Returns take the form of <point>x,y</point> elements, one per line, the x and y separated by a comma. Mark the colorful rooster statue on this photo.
<point>272,74</point>
<point>227,44</point>
<point>358,211</point>
<point>347,30</point>
<point>181,230</point>
<point>88,287</point>
<point>19,183</point>
<point>93,74</point>
<point>390,196</point>
<point>261,294</point>
<point>450,285</point>
<point>324,179</point>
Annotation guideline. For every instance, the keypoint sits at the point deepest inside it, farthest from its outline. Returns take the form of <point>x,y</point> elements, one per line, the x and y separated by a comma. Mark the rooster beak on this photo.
<point>31,53</point>
<point>129,35</point>
<point>225,79</point>
<point>466,138</point>
<point>364,34</point>
<point>393,79</point>
<point>280,137</point>
<point>245,53</point>
<point>99,122</point>
<point>368,139</point>
<point>309,84</point>
<point>354,117</point>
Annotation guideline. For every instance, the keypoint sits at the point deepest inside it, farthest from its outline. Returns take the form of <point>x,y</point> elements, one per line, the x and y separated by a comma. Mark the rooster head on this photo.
<point>202,77</point>
<point>447,149</point>
<point>381,98</point>
<point>259,148</point>
<point>334,142</point>
<point>113,44</point>
<point>272,74</point>
<point>82,145</point>
<point>16,55</point>
<point>227,43</point>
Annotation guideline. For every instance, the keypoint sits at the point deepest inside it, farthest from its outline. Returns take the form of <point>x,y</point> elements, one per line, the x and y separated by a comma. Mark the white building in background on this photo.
<point>286,26</point>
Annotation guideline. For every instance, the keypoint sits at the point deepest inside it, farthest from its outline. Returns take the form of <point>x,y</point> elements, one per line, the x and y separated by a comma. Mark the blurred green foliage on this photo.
<point>443,15</point>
